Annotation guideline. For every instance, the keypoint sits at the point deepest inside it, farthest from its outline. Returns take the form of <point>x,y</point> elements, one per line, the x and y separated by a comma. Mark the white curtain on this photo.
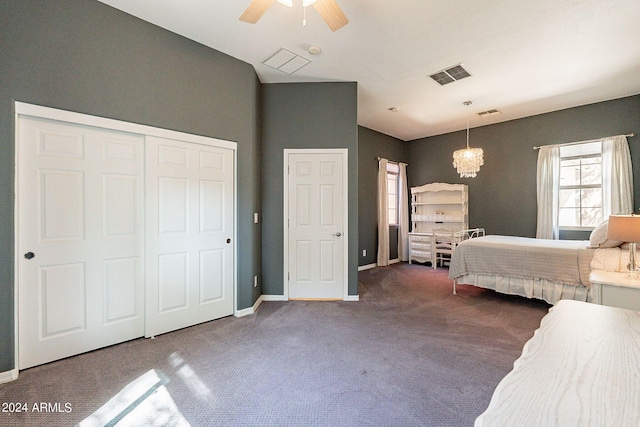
<point>617,176</point>
<point>403,214</point>
<point>548,178</point>
<point>383,214</point>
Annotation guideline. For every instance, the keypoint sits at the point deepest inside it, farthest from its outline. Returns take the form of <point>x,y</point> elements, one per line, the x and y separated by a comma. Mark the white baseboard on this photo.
<point>7,376</point>
<point>375,264</point>
<point>367,267</point>
<point>249,311</point>
<point>274,298</point>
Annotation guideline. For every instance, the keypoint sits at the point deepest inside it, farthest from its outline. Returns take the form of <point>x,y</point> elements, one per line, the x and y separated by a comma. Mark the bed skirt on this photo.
<point>543,289</point>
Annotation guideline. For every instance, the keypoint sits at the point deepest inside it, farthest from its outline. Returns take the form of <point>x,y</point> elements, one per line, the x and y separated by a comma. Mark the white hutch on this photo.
<point>436,205</point>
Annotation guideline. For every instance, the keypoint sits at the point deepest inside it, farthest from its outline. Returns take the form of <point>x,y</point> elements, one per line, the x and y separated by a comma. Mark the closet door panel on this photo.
<point>190,231</point>
<point>80,238</point>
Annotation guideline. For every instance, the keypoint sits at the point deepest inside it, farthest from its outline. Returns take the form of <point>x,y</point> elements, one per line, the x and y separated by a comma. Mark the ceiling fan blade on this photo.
<point>255,10</point>
<point>331,13</point>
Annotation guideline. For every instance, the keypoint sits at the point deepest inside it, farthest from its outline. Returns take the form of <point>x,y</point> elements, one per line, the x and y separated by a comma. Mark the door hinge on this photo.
<point>288,276</point>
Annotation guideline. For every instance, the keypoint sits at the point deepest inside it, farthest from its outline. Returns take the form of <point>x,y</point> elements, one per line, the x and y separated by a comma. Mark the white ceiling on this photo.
<point>525,57</point>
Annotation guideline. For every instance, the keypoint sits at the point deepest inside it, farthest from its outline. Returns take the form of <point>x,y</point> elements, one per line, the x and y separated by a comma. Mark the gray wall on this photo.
<point>371,145</point>
<point>83,56</point>
<point>304,115</point>
<point>502,198</point>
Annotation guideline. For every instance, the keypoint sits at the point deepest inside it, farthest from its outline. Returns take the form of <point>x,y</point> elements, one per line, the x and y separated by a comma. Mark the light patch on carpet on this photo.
<point>190,378</point>
<point>145,401</point>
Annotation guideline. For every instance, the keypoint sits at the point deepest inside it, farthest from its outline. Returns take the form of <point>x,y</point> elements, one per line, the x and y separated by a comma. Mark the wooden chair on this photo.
<point>443,245</point>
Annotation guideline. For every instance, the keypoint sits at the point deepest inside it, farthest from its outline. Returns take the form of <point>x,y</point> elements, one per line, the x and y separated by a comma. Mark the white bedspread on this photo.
<point>560,261</point>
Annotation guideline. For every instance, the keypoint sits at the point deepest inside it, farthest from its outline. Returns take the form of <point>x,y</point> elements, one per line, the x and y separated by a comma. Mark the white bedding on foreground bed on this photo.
<point>549,270</point>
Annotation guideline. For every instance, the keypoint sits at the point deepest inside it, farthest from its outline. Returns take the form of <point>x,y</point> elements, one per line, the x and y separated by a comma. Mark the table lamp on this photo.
<point>626,228</point>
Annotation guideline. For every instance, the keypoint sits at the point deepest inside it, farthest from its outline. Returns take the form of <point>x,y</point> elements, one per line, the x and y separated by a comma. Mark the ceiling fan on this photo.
<point>327,9</point>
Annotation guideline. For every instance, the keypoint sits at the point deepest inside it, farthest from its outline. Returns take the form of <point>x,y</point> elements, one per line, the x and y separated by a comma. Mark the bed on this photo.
<point>549,270</point>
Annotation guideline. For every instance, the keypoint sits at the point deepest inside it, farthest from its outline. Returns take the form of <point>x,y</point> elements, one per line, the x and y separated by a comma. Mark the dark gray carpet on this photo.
<point>409,353</point>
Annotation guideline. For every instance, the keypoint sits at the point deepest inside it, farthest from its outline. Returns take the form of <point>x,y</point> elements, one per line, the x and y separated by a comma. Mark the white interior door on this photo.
<point>316,224</point>
<point>190,232</point>
<point>80,239</point>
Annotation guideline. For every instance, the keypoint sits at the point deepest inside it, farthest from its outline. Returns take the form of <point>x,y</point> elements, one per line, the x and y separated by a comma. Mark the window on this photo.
<point>581,186</point>
<point>393,170</point>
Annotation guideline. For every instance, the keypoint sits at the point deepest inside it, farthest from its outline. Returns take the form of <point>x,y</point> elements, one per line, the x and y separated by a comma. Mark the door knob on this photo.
<point>338,234</point>
<point>29,255</point>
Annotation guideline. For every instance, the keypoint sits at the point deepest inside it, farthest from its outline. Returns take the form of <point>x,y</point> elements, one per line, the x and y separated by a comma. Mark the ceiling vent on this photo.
<point>487,113</point>
<point>450,75</point>
<point>286,61</point>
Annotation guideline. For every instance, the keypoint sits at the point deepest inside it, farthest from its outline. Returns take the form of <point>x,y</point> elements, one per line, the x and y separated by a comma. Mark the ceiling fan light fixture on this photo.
<point>328,10</point>
<point>289,3</point>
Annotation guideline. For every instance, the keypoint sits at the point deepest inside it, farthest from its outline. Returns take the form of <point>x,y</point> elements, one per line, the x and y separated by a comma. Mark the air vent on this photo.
<point>487,113</point>
<point>286,61</point>
<point>450,75</point>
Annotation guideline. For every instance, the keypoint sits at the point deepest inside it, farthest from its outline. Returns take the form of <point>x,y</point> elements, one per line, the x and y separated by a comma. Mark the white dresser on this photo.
<point>421,247</point>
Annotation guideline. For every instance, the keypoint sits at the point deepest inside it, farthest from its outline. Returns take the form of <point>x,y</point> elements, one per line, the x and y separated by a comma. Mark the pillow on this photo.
<point>598,238</point>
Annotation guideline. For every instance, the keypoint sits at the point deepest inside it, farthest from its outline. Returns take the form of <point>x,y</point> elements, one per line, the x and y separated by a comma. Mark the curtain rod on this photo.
<point>628,135</point>
<point>391,161</point>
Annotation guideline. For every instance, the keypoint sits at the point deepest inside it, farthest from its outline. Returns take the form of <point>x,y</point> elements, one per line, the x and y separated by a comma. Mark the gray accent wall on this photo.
<point>371,145</point>
<point>84,56</point>
<point>304,115</point>
<point>502,198</point>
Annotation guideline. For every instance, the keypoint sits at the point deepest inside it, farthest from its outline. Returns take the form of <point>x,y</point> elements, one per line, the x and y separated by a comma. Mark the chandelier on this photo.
<point>468,160</point>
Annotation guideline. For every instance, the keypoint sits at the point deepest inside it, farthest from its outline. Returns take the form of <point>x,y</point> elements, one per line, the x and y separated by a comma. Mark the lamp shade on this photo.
<point>625,228</point>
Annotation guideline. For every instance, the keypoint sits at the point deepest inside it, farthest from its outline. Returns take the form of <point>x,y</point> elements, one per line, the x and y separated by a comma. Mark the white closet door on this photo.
<point>189,233</point>
<point>80,239</point>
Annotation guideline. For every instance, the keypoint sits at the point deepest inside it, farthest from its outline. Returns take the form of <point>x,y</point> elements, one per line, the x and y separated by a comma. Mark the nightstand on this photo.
<point>615,289</point>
